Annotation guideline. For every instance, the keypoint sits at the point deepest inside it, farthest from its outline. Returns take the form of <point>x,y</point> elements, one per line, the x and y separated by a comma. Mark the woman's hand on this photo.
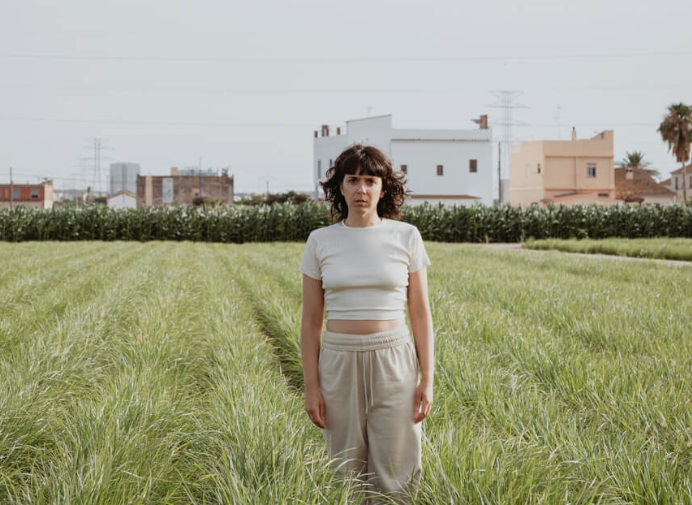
<point>422,401</point>
<point>314,406</point>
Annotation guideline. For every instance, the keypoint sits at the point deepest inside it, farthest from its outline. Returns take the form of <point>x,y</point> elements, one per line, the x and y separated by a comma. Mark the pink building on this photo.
<point>563,171</point>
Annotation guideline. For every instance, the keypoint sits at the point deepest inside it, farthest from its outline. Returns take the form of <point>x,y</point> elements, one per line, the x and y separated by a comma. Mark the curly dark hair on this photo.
<point>360,159</point>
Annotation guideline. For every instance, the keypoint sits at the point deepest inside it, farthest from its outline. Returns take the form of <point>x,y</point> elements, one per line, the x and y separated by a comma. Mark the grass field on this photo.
<point>662,248</point>
<point>169,372</point>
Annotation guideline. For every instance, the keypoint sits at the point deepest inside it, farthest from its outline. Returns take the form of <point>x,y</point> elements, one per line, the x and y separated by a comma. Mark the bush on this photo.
<point>286,222</point>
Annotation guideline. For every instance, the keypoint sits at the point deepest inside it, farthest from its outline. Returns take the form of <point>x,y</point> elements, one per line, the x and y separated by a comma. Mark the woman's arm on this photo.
<point>310,334</point>
<point>421,324</point>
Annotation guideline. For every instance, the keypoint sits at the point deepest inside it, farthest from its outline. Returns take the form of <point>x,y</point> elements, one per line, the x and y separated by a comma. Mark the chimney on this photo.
<point>315,133</point>
<point>325,130</point>
<point>574,133</point>
<point>629,173</point>
<point>484,122</point>
<point>175,171</point>
<point>338,131</point>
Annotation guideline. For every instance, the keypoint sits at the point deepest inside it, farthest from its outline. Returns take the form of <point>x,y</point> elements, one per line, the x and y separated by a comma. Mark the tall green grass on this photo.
<point>672,249</point>
<point>169,373</point>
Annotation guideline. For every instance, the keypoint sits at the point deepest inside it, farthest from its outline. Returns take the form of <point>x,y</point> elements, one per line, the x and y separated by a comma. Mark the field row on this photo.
<point>671,249</point>
<point>170,373</point>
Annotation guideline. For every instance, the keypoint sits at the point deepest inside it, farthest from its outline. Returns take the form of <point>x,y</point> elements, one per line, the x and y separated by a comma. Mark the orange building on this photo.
<point>563,171</point>
<point>38,196</point>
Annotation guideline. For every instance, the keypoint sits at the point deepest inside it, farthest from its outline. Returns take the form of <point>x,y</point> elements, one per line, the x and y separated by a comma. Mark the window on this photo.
<point>319,169</point>
<point>440,170</point>
<point>15,193</point>
<point>473,166</point>
<point>676,183</point>
<point>528,171</point>
<point>539,168</point>
<point>591,170</point>
<point>603,195</point>
<point>34,192</point>
<point>404,169</point>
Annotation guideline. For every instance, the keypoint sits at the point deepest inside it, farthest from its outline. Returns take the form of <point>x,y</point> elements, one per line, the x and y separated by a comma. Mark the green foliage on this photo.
<point>274,198</point>
<point>288,222</point>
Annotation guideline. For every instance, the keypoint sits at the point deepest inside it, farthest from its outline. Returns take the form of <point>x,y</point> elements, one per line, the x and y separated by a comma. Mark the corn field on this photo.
<point>288,222</point>
<point>169,373</point>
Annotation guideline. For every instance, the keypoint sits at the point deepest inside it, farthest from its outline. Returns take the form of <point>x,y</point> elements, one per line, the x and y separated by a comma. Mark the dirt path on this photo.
<point>517,247</point>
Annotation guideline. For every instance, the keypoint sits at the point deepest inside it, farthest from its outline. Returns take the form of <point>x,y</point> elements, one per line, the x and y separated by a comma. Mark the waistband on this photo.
<point>367,342</point>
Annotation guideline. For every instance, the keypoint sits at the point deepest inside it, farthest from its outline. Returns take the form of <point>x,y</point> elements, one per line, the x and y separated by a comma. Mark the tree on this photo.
<point>676,129</point>
<point>636,159</point>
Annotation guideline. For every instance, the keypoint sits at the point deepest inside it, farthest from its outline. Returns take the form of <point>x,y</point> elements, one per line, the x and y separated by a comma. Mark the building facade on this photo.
<point>37,196</point>
<point>563,171</point>
<point>176,189</point>
<point>453,167</point>
<point>123,176</point>
<point>674,183</point>
<point>123,199</point>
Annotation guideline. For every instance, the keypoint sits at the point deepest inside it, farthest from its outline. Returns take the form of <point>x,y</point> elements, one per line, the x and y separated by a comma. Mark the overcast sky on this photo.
<point>244,84</point>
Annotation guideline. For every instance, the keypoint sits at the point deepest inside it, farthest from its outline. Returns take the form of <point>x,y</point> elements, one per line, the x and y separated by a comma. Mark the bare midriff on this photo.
<point>361,327</point>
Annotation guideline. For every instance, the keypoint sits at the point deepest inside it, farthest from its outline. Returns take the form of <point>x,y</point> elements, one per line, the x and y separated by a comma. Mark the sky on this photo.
<point>243,85</point>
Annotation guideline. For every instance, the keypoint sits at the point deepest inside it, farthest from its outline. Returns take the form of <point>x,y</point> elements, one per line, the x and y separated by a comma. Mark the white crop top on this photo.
<point>364,271</point>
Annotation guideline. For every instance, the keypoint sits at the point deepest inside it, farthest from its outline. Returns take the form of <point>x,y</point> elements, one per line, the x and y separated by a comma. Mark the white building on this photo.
<point>122,199</point>
<point>124,176</point>
<point>449,166</point>
<point>675,182</point>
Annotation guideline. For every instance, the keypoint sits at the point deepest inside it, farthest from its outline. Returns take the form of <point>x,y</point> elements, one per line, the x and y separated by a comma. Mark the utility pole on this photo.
<point>266,180</point>
<point>506,102</point>
<point>199,166</point>
<point>499,173</point>
<point>97,145</point>
<point>11,190</point>
<point>559,120</point>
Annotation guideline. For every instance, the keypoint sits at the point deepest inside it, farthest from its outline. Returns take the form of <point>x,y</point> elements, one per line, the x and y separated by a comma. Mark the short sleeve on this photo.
<point>310,266</point>
<point>419,258</point>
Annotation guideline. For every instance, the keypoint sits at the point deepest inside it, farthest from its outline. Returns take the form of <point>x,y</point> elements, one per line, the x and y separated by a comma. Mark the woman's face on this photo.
<point>361,192</point>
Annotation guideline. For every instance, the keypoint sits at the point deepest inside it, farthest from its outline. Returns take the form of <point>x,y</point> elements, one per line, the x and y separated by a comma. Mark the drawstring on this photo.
<point>368,401</point>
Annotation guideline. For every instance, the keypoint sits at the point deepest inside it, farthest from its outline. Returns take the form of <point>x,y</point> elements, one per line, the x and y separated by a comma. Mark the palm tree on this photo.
<point>636,159</point>
<point>676,129</point>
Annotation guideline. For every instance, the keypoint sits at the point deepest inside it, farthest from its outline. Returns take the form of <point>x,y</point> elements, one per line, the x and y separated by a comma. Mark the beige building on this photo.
<point>674,183</point>
<point>563,171</point>
<point>37,196</point>
<point>635,186</point>
<point>177,189</point>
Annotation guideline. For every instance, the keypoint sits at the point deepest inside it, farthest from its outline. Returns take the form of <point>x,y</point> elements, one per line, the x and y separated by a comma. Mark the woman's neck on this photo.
<point>355,220</point>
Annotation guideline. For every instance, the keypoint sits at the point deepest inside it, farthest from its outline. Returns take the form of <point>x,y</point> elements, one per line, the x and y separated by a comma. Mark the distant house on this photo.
<point>675,182</point>
<point>563,171</point>
<point>182,189</point>
<point>634,185</point>
<point>452,167</point>
<point>122,199</point>
<point>37,196</point>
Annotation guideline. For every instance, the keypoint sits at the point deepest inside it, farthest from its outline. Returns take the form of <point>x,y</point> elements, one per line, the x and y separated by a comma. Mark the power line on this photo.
<point>332,59</point>
<point>38,119</point>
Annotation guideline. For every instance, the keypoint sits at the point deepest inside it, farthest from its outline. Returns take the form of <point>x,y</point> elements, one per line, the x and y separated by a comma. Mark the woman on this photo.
<point>362,385</point>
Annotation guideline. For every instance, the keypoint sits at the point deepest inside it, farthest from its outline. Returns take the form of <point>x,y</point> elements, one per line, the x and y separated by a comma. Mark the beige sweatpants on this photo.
<point>368,384</point>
